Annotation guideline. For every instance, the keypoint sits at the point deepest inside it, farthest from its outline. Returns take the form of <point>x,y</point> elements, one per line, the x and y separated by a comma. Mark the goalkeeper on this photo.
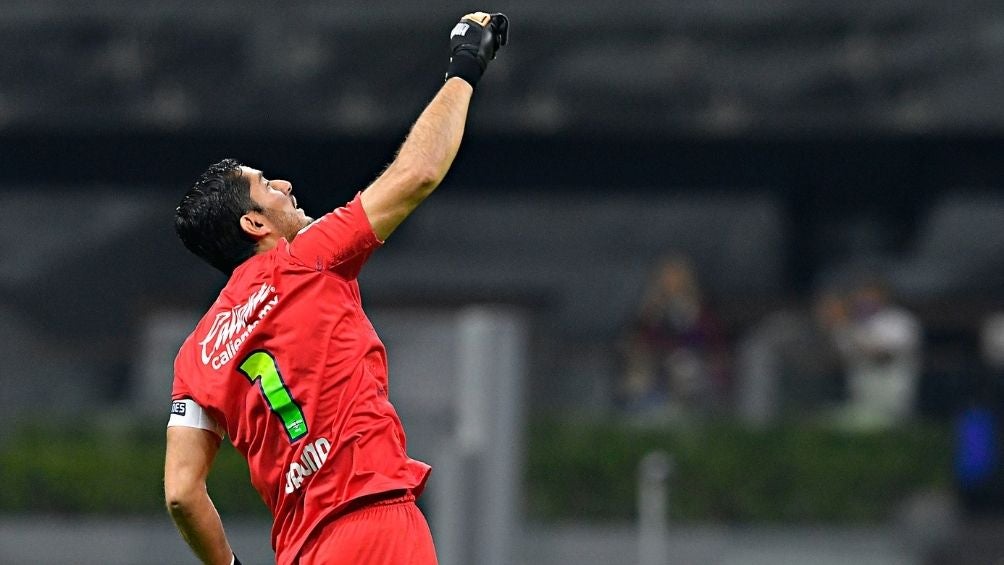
<point>287,366</point>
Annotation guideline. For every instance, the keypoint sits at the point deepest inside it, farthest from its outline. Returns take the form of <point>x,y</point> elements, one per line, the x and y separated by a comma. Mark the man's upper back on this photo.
<point>287,362</point>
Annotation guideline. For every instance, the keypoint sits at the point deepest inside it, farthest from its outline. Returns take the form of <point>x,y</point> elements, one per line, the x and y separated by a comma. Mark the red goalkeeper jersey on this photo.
<point>288,364</point>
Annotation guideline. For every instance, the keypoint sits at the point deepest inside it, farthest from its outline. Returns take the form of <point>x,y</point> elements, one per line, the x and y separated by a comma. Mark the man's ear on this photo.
<point>255,225</point>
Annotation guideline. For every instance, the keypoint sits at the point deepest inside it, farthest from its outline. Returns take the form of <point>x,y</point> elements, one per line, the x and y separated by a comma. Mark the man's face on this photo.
<point>275,197</point>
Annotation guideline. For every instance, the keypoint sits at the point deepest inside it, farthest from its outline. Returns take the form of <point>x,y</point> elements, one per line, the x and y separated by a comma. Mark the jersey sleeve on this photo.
<point>186,409</point>
<point>340,241</point>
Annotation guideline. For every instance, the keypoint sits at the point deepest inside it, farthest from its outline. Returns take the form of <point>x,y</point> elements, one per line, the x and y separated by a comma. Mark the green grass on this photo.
<point>74,470</point>
<point>574,471</point>
<point>792,473</point>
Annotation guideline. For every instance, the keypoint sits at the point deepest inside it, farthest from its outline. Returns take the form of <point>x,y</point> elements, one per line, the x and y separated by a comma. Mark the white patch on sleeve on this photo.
<point>187,414</point>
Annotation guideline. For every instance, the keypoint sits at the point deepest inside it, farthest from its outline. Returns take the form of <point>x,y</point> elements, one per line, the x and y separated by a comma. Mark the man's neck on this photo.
<point>266,244</point>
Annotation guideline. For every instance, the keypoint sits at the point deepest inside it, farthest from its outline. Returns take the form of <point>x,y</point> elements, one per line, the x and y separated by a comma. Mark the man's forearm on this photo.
<point>423,160</point>
<point>434,140</point>
<point>201,527</point>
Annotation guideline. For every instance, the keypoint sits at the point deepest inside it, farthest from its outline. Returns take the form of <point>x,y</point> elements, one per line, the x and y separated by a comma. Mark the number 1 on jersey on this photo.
<point>260,365</point>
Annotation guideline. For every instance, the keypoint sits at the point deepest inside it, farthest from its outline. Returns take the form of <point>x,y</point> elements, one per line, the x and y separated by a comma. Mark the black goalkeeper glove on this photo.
<point>473,42</point>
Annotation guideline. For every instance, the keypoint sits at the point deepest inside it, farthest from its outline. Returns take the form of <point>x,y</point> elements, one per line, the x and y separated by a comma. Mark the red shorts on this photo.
<point>387,531</point>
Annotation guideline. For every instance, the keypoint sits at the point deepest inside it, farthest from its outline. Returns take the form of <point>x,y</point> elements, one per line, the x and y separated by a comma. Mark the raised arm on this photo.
<point>429,150</point>
<point>422,162</point>
<point>190,455</point>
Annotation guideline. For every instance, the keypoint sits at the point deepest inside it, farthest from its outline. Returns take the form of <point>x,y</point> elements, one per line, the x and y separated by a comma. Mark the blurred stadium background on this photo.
<point>783,147</point>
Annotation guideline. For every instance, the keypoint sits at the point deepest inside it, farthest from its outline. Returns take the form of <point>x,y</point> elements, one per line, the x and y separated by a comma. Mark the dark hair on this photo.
<point>208,218</point>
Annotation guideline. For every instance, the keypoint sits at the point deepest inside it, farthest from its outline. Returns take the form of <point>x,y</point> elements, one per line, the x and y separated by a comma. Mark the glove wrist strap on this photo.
<point>465,66</point>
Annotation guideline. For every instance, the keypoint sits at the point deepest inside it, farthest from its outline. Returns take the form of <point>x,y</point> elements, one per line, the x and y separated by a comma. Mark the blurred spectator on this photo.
<point>788,365</point>
<point>675,353</point>
<point>879,343</point>
<point>979,469</point>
